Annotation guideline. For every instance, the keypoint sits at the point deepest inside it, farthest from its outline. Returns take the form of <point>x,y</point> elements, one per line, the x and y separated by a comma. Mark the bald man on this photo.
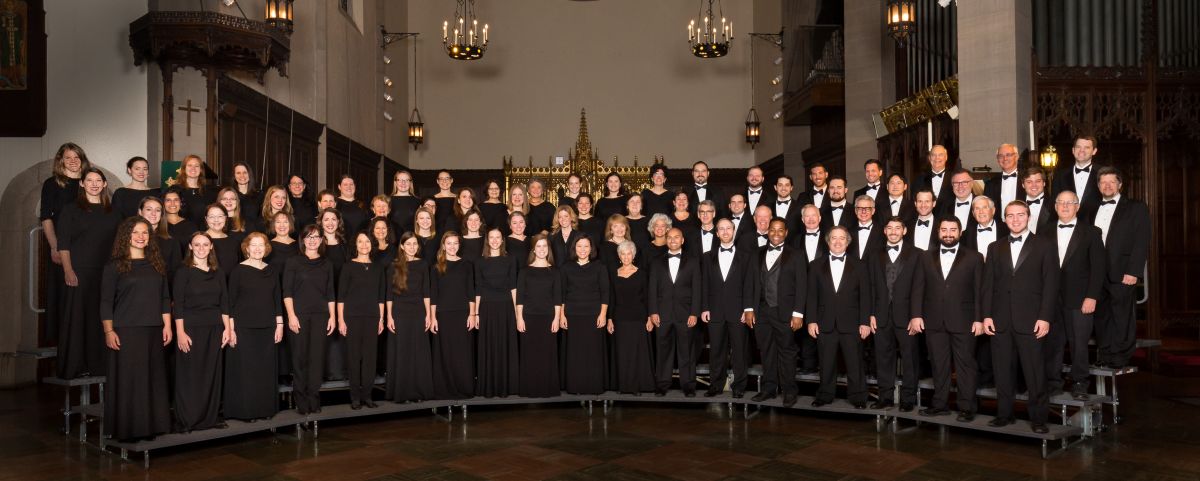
<point>1006,187</point>
<point>937,180</point>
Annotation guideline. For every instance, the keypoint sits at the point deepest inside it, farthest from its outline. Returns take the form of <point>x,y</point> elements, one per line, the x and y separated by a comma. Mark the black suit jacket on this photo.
<point>714,194</point>
<point>952,303</point>
<point>991,188</point>
<point>799,243</point>
<point>793,214</point>
<point>768,196</point>
<point>726,299</point>
<point>745,225</point>
<point>675,301</point>
<point>880,191</point>
<point>875,241</point>
<point>693,239</point>
<point>1082,270</point>
<point>883,209</point>
<point>894,308</point>
<point>942,197</point>
<point>1016,298</point>
<point>793,279</point>
<point>1089,199</point>
<point>849,306</point>
<point>1047,215</point>
<point>1128,241</point>
<point>911,225</point>
<point>970,235</point>
<point>847,219</point>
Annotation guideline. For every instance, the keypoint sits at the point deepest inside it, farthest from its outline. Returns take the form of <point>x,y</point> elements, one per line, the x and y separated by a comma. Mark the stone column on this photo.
<point>870,81</point>
<point>995,79</point>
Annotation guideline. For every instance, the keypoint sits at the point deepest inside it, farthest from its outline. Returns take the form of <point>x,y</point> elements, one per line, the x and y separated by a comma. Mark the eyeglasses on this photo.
<point>214,217</point>
<point>296,184</point>
<point>864,209</point>
<point>1066,202</point>
<point>962,182</point>
<point>312,237</point>
<point>444,179</point>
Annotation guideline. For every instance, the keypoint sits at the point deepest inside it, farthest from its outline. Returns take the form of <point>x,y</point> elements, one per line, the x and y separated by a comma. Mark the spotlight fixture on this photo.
<point>387,97</point>
<point>387,60</point>
<point>777,80</point>
<point>776,96</point>
<point>468,41</point>
<point>777,115</point>
<point>706,40</point>
<point>387,81</point>
<point>387,116</point>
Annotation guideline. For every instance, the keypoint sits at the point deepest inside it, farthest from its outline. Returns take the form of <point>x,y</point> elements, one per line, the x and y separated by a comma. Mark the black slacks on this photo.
<point>674,342</point>
<point>851,347</point>
<point>889,341</point>
<point>948,349</point>
<point>308,360</point>
<point>727,347</point>
<point>777,348</point>
<point>1029,353</point>
<point>1075,330</point>
<point>1116,328</point>
<point>362,344</point>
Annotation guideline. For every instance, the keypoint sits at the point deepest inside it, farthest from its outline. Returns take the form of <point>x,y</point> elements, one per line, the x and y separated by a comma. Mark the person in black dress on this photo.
<point>85,238</point>
<point>471,247</point>
<point>571,196</point>
<point>585,316</point>
<point>275,200</point>
<point>614,198</point>
<point>282,245</point>
<point>308,296</point>
<point>180,228</point>
<point>456,219</point>
<point>496,296</point>
<point>202,330</point>
<point>381,207</point>
<point>256,316</point>
<point>427,235</point>
<point>59,190</point>
<point>227,244</point>
<point>629,323</point>
<point>303,208</point>
<point>616,232</point>
<point>409,360</point>
<point>656,249</point>
<point>588,224</point>
<point>360,317</point>
<point>135,313</point>
<point>682,216</point>
<point>455,315</point>
<point>495,213</point>
<point>518,202</point>
<point>541,212</point>
<point>403,203</point>
<point>564,232</point>
<point>151,209</point>
<point>232,202</point>
<point>354,217</point>
<point>517,243</point>
<point>337,253</point>
<point>249,197</point>
<point>639,222</point>
<point>193,189</point>
<point>383,241</point>
<point>538,318</point>
<point>127,199</point>
<point>430,204</point>
<point>658,198</point>
<point>444,199</point>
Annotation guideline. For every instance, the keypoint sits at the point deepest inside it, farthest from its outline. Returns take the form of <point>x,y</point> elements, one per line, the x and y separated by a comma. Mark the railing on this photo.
<point>34,241</point>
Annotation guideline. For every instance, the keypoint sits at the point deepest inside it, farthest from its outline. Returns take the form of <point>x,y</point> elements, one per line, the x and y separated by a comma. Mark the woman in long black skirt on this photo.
<point>202,330</point>
<point>517,243</point>
<point>409,365</point>
<point>281,228</point>
<point>360,318</point>
<point>85,240</point>
<point>472,240</point>
<point>452,305</point>
<point>404,202</point>
<point>585,316</point>
<point>539,310</point>
<point>135,309</point>
<point>427,235</point>
<point>629,324</point>
<point>308,296</point>
<point>337,253</point>
<point>256,310</point>
<point>59,190</point>
<point>496,296</point>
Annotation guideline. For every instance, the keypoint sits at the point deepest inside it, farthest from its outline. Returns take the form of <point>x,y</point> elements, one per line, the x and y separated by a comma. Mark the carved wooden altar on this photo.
<point>582,160</point>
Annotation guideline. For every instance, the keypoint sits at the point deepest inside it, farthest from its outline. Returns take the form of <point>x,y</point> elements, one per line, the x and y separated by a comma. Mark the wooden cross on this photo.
<point>189,109</point>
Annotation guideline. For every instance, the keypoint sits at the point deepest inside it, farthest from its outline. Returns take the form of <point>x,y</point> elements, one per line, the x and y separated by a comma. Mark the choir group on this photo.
<point>196,300</point>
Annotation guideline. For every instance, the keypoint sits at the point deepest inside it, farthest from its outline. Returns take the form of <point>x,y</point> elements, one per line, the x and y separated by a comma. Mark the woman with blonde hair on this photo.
<point>455,314</point>
<point>192,188</point>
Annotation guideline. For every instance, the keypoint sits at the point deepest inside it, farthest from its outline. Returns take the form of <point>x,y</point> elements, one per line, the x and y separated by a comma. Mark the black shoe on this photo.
<point>1080,395</point>
<point>789,400</point>
<point>965,416</point>
<point>808,370</point>
<point>739,394</point>
<point>882,404</point>
<point>934,412</point>
<point>370,403</point>
<point>1000,422</point>
<point>762,396</point>
<point>1041,428</point>
<point>860,405</point>
<point>660,393</point>
<point>818,403</point>
<point>689,394</point>
<point>711,393</point>
<point>906,407</point>
<point>355,406</point>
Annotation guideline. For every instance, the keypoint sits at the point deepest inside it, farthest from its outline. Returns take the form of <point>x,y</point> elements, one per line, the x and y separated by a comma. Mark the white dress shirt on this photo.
<point>782,206</point>
<point>818,197</point>
<point>985,235</point>
<point>1017,246</point>
<point>752,196</point>
<point>761,237</point>
<point>1035,211</point>
<point>1081,178</point>
<point>706,239</point>
<point>1104,216</point>
<point>837,210</point>
<point>701,192</point>
<point>725,259</point>
<point>963,211</point>
<point>773,255</point>
<point>812,240</point>
<point>673,264</point>
<point>893,250</point>
<point>1065,231</point>
<point>947,259</point>
<point>836,268</point>
<point>873,190</point>
<point>737,220</point>
<point>894,204</point>
<point>863,236</point>
<point>1008,187</point>
<point>936,183</point>
<point>921,232</point>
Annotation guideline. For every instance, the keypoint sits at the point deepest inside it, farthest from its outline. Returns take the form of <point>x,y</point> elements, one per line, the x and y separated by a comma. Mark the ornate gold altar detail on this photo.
<point>923,106</point>
<point>582,160</point>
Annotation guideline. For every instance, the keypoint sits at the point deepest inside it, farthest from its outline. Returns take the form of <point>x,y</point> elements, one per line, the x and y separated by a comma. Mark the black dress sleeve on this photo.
<point>108,291</point>
<point>602,281</point>
<point>181,285</point>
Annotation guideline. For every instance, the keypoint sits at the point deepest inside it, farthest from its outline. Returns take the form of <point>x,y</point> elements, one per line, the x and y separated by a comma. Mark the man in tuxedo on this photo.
<point>866,237</point>
<point>1080,177</point>
<point>758,236</point>
<point>1125,229</point>
<point>837,207</point>
<point>818,181</point>
<point>897,203</point>
<point>1006,187</point>
<point>674,300</point>
<point>740,216</point>
<point>811,245</point>
<point>755,193</point>
<point>1081,258</point>
<point>893,269</point>
<point>727,272</point>
<point>699,191</point>
<point>839,307</point>
<point>785,207</point>
<point>706,236</point>
<point>780,283</point>
<point>937,180</point>
<point>1041,208</point>
<point>1020,297</point>
<point>960,205</point>
<point>921,229</point>
<point>983,229</point>
<point>945,306</point>
<point>873,172</point>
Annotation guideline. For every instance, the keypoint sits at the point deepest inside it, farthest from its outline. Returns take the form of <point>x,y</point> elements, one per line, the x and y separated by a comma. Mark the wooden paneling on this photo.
<point>289,140</point>
<point>343,156</point>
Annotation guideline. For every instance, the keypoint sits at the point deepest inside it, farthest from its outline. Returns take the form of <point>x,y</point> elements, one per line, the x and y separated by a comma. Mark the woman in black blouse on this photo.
<point>541,212</point>
<point>381,207</point>
<point>248,196</point>
<point>354,217</point>
<point>639,221</point>
<point>180,228</point>
<point>585,316</point>
<point>681,217</point>
<point>59,190</point>
<point>192,189</point>
<point>660,224</point>
<point>455,315</point>
<point>227,245</point>
<point>275,200</point>
<point>538,311</point>
<point>517,243</point>
<point>308,296</point>
<point>613,201</point>
<point>383,240</point>
<point>304,210</point>
<point>127,199</point>
<point>85,240</point>
<point>444,198</point>
<point>471,247</point>
<point>410,364</point>
<point>496,296</point>
<point>232,202</point>
<point>404,202</point>
<point>360,317</point>
<point>564,232</point>
<point>629,322</point>
<point>616,232</point>
<point>256,316</point>
<point>657,199</point>
<point>135,309</point>
<point>588,223</point>
<point>517,202</point>
<point>337,253</point>
<point>495,213</point>
<point>463,204</point>
<point>202,329</point>
<point>151,209</point>
<point>426,233</point>
<point>571,195</point>
<point>282,245</point>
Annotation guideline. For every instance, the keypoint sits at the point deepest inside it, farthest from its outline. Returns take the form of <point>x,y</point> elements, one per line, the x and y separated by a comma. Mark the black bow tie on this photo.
<point>1008,176</point>
<point>814,234</point>
<point>783,202</point>
<point>1107,202</point>
<point>950,250</point>
<point>1066,226</point>
<point>775,248</point>
<point>724,249</point>
<point>841,258</point>
<point>1034,201</point>
<point>894,248</point>
<point>939,174</point>
<point>674,256</point>
<point>840,207</point>
<point>764,236</point>
<point>705,232</point>
<point>818,192</point>
<point>960,204</point>
<point>756,192</point>
<point>864,227</point>
<point>1087,169</point>
<point>737,218</point>
<point>923,223</point>
<point>872,187</point>
<point>985,229</point>
<point>701,186</point>
<point>894,202</point>
<point>1015,239</point>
